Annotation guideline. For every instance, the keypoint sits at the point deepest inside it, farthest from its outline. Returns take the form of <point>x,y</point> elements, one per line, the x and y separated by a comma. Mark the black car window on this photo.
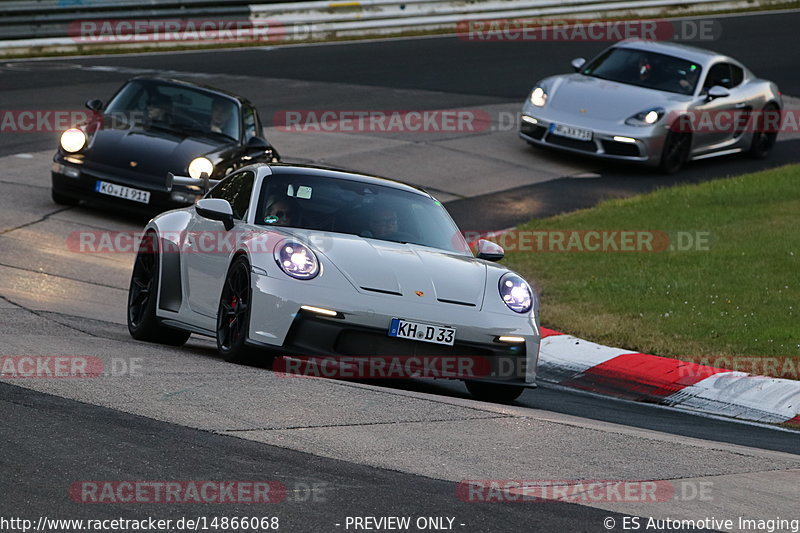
<point>645,69</point>
<point>737,75</point>
<point>354,207</point>
<point>179,108</point>
<point>719,74</point>
<point>236,189</point>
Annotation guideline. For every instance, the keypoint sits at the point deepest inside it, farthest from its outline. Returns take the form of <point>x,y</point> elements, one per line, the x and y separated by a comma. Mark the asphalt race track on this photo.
<point>345,449</point>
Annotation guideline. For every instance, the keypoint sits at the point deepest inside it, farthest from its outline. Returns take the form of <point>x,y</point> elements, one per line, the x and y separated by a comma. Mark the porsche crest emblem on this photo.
<point>419,293</point>
<point>134,164</point>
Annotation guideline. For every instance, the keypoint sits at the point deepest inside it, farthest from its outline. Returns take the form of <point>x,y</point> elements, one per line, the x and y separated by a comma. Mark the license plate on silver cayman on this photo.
<point>120,191</point>
<point>405,329</point>
<point>573,132</point>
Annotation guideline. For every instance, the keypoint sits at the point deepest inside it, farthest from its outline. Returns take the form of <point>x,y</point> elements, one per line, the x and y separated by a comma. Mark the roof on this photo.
<point>691,53</point>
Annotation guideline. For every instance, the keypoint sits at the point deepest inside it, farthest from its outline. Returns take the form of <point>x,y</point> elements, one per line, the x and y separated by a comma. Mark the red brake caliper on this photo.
<point>233,308</point>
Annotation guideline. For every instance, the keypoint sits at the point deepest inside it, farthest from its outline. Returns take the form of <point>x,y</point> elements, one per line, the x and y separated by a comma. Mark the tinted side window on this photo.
<point>719,74</point>
<point>236,189</point>
<point>737,75</point>
<point>250,123</point>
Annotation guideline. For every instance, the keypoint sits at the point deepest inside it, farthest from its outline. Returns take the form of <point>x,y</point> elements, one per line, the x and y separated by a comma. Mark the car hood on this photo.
<point>415,272</point>
<point>147,154</point>
<point>595,98</point>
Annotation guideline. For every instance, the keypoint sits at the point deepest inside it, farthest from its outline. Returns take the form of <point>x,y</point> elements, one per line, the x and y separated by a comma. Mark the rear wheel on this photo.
<point>494,392</point>
<point>766,132</point>
<point>143,324</point>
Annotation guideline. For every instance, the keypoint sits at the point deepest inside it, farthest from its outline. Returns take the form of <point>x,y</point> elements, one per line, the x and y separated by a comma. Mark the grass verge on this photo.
<point>734,292</point>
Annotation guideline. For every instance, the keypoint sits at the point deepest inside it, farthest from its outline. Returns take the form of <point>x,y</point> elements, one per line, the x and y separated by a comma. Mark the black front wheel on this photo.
<point>494,392</point>
<point>143,324</point>
<point>676,151</point>
<point>233,314</point>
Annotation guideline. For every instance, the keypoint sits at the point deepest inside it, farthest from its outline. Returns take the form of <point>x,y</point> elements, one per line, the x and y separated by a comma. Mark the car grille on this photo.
<point>618,148</point>
<point>575,144</point>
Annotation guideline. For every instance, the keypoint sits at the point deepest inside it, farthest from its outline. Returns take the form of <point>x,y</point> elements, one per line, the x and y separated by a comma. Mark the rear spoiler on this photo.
<point>203,182</point>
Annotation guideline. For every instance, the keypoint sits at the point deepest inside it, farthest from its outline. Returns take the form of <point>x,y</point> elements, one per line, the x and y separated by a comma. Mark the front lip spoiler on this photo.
<point>640,160</point>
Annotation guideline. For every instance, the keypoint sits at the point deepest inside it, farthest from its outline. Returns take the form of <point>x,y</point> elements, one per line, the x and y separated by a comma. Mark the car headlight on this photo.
<point>200,165</point>
<point>296,259</point>
<point>648,117</point>
<point>73,140</point>
<point>516,293</point>
<point>538,97</point>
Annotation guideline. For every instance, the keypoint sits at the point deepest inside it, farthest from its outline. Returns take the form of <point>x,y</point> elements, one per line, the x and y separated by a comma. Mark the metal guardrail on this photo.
<point>45,25</point>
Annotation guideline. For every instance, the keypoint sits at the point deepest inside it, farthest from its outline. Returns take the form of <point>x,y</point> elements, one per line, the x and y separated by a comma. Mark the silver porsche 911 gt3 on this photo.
<point>656,103</point>
<point>299,261</point>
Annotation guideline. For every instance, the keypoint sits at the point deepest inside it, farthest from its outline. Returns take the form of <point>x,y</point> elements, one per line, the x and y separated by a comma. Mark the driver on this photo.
<point>383,223</point>
<point>159,108</point>
<point>282,211</point>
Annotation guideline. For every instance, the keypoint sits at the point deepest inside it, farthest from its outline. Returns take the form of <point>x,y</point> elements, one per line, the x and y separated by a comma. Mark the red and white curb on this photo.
<point>572,362</point>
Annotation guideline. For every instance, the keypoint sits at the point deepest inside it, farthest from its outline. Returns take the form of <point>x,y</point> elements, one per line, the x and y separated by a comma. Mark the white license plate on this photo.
<point>405,329</point>
<point>573,132</point>
<point>120,191</point>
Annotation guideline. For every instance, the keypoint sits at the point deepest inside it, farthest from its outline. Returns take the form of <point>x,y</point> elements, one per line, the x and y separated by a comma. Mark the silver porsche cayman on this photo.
<point>657,103</point>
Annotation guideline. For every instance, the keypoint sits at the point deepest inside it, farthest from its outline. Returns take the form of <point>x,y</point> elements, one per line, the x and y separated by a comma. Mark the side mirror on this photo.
<point>577,63</point>
<point>490,251</point>
<point>216,209</point>
<point>717,91</point>
<point>94,105</point>
<point>257,146</point>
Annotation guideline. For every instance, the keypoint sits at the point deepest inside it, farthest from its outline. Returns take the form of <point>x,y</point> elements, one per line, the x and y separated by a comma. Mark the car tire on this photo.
<point>233,314</point>
<point>143,324</point>
<point>61,199</point>
<point>494,392</point>
<point>762,142</point>
<point>675,151</point>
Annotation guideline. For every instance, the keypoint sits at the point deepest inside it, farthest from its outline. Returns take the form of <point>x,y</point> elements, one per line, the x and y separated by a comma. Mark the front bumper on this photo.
<point>361,329</point>
<point>79,182</point>
<point>618,142</point>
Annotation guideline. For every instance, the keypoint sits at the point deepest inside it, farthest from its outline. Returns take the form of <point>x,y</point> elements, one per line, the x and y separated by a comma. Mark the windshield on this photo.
<point>156,105</point>
<point>353,207</point>
<point>646,69</point>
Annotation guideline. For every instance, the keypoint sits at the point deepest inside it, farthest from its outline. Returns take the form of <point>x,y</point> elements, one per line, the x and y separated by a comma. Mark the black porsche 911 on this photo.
<point>150,127</point>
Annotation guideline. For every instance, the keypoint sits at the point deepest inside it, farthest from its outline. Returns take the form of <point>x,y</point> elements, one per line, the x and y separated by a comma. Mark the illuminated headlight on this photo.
<point>516,293</point>
<point>647,117</point>
<point>538,97</point>
<point>73,140</point>
<point>296,259</point>
<point>200,165</point>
